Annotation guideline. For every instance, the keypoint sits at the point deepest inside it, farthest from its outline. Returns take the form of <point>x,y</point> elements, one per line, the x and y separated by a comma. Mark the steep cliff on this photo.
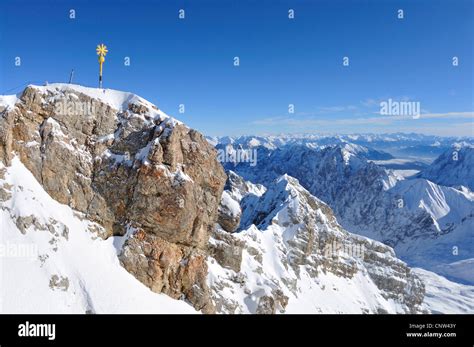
<point>124,164</point>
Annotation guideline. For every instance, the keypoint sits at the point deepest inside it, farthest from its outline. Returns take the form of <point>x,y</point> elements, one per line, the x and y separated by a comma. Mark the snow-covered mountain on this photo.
<point>453,168</point>
<point>448,216</point>
<point>296,258</point>
<point>362,275</point>
<point>107,204</point>
<point>403,145</point>
<point>428,224</point>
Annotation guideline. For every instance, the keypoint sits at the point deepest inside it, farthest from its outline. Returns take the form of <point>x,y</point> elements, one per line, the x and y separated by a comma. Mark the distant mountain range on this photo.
<point>397,144</point>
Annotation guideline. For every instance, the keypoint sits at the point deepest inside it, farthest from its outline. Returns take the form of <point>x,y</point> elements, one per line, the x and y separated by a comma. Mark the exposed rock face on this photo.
<point>229,213</point>
<point>271,304</point>
<point>227,250</point>
<point>238,188</point>
<point>165,267</point>
<point>124,163</point>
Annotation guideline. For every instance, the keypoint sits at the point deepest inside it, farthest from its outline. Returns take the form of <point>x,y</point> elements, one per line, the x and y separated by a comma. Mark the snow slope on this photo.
<point>8,101</point>
<point>459,271</point>
<point>443,296</point>
<point>65,268</point>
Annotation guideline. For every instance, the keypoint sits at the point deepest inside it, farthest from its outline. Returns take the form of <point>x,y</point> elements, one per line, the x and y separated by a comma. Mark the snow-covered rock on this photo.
<point>229,212</point>
<point>296,258</point>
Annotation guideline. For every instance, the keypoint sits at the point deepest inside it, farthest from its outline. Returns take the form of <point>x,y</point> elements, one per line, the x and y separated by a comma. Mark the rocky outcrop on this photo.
<point>271,304</point>
<point>166,267</point>
<point>225,249</point>
<point>122,162</point>
<point>238,188</point>
<point>229,213</point>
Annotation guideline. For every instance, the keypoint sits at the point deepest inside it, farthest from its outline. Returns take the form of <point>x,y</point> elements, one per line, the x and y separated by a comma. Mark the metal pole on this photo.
<point>100,71</point>
<point>71,76</point>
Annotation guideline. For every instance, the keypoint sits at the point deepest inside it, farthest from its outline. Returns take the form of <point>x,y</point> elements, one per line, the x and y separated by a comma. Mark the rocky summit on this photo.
<point>125,165</point>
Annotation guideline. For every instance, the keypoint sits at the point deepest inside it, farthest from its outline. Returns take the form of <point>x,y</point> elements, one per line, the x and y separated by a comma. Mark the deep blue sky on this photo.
<point>282,61</point>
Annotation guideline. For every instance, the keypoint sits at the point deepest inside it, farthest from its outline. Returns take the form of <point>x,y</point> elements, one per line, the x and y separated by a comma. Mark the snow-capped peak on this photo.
<point>118,100</point>
<point>454,167</point>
